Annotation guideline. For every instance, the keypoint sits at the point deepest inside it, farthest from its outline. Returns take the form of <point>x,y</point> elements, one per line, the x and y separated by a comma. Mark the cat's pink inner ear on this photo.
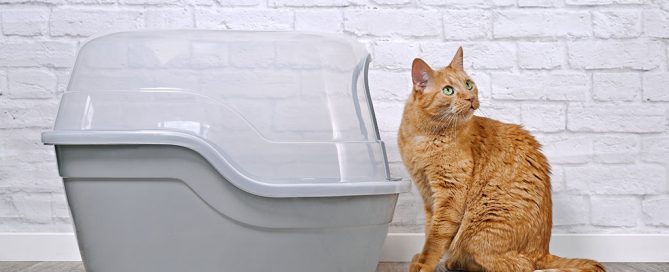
<point>420,74</point>
<point>456,63</point>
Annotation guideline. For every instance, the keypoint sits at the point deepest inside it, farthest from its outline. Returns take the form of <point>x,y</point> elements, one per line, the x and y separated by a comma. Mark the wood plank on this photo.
<point>15,266</point>
<point>610,267</point>
<point>55,267</point>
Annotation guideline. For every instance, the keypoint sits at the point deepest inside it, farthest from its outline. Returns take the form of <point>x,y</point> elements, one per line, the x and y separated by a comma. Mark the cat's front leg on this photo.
<point>419,258</point>
<point>447,209</point>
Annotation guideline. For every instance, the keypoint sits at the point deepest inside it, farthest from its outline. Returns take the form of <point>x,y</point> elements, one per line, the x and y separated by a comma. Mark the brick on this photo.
<point>588,2</point>
<point>502,3</point>
<point>244,19</point>
<point>656,23</point>
<point>540,55</point>
<point>59,206</point>
<point>169,18</point>
<point>539,86</point>
<point>539,3</point>
<point>238,3</point>
<point>655,148</point>
<point>33,207</point>
<point>21,225</point>
<point>565,148</point>
<point>617,179</point>
<point>319,20</point>
<point>469,3</point>
<point>23,145</point>
<point>494,55</point>
<point>615,211</point>
<point>28,113</point>
<point>50,2</point>
<point>412,23</point>
<point>88,21</point>
<point>36,53</point>
<point>59,225</point>
<point>609,54</point>
<point>63,78</point>
<point>544,118</point>
<point>409,214</point>
<point>601,2</point>
<point>201,3</point>
<point>504,112</point>
<point>616,149</point>
<point>25,21</point>
<point>148,2</point>
<point>392,149</point>
<point>7,208</point>
<point>593,118</point>
<point>308,3</point>
<point>519,24</point>
<point>92,2</point>
<point>616,86</point>
<point>655,210</point>
<point>392,2</point>
<point>389,86</point>
<point>656,86</point>
<point>557,178</point>
<point>389,115</point>
<point>466,24</point>
<point>570,210</point>
<point>31,83</point>
<point>483,55</point>
<point>3,83</point>
<point>396,55</point>
<point>617,23</point>
<point>482,81</point>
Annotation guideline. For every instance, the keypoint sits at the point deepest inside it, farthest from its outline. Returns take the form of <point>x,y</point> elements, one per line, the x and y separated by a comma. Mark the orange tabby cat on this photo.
<point>485,184</point>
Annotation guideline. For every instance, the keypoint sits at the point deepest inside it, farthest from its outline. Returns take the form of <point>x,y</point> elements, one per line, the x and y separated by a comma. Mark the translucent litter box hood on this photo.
<point>278,114</point>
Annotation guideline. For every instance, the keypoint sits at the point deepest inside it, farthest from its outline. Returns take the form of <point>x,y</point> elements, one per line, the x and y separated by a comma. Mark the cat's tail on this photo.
<point>554,263</point>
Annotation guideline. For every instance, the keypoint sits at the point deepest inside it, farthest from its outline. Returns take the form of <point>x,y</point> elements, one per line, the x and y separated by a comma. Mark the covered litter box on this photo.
<point>221,151</point>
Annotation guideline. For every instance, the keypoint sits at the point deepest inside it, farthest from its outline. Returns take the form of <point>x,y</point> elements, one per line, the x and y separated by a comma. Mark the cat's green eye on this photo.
<point>448,90</point>
<point>469,84</point>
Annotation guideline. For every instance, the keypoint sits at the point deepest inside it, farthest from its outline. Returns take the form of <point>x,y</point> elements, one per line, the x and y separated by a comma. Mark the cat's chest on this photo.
<point>430,150</point>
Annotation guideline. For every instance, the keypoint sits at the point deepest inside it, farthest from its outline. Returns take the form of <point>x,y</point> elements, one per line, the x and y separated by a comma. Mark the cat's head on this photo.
<point>447,93</point>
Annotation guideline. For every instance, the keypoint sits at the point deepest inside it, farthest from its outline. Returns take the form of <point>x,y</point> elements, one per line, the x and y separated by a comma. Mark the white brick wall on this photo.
<point>590,78</point>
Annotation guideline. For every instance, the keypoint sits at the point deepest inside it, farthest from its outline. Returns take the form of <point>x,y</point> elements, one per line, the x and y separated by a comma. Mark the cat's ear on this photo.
<point>420,74</point>
<point>456,63</point>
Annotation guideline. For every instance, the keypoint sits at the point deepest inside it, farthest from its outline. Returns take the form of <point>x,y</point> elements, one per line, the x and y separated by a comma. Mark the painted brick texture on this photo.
<point>589,78</point>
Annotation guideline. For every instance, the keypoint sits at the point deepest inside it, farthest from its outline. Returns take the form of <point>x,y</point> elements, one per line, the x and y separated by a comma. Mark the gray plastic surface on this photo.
<point>160,208</point>
<point>215,151</point>
<point>280,114</point>
<point>309,188</point>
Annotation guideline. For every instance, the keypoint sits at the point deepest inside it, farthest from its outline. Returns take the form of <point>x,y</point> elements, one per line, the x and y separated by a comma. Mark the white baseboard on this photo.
<point>38,247</point>
<point>399,247</point>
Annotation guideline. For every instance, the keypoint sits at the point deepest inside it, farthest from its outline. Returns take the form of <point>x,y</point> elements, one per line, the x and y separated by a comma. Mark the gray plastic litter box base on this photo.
<point>159,208</point>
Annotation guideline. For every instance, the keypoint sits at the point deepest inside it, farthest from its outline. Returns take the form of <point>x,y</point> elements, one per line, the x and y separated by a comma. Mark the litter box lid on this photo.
<point>278,114</point>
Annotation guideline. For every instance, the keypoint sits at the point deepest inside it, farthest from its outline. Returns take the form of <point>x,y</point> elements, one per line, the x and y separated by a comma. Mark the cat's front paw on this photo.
<point>416,263</point>
<point>450,264</point>
<point>416,267</point>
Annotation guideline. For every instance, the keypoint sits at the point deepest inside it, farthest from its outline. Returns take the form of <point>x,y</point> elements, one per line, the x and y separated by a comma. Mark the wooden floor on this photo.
<point>383,267</point>
<point>610,267</point>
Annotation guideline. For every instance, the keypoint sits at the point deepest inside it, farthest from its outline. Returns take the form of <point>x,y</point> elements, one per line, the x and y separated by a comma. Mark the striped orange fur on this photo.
<point>485,184</point>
